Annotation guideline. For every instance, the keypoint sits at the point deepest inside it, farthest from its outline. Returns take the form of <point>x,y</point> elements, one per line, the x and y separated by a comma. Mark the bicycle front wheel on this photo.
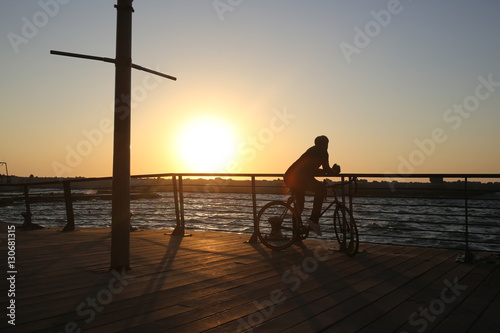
<point>346,230</point>
<point>276,225</point>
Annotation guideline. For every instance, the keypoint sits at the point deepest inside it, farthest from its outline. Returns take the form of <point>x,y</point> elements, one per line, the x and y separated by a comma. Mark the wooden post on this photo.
<point>120,219</point>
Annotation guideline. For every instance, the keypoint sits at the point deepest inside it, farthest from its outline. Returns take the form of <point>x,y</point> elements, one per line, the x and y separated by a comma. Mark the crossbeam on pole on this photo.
<point>84,56</point>
<point>154,72</point>
<point>113,61</point>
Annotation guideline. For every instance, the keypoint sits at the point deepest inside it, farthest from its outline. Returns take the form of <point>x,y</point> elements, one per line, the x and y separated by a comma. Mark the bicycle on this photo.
<point>278,225</point>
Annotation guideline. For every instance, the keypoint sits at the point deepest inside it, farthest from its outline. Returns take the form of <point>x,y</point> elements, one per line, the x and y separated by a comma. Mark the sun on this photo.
<point>206,144</point>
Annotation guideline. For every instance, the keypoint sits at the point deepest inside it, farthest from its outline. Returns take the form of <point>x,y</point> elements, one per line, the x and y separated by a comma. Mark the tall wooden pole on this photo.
<point>120,220</point>
<point>120,217</point>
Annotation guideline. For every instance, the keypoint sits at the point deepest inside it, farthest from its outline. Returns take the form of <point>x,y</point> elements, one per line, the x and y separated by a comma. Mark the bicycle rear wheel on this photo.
<point>346,230</point>
<point>276,225</point>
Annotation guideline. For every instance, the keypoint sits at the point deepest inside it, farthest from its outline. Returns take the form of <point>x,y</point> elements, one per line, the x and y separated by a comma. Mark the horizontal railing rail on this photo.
<point>463,213</point>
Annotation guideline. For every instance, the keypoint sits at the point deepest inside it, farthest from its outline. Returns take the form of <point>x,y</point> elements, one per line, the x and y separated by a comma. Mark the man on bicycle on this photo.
<point>300,178</point>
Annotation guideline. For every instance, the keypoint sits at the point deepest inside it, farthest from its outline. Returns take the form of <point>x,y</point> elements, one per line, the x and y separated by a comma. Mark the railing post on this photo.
<point>350,195</point>
<point>176,201</point>
<point>468,256</point>
<point>27,214</point>
<point>179,226</point>
<point>342,191</point>
<point>28,224</point>
<point>179,206</point>
<point>181,202</point>
<point>70,217</point>
<point>253,238</point>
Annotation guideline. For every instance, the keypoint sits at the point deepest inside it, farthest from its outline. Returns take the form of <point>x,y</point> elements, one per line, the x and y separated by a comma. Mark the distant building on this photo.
<point>436,180</point>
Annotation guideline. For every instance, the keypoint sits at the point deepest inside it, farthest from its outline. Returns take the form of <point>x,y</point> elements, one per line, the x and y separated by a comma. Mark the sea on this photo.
<point>430,222</point>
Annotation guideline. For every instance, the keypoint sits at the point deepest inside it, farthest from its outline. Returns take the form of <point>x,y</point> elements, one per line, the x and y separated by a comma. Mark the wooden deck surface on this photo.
<point>214,282</point>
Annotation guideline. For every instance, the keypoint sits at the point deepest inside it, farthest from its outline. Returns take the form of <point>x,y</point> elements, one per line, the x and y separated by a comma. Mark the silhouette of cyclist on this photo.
<point>300,178</point>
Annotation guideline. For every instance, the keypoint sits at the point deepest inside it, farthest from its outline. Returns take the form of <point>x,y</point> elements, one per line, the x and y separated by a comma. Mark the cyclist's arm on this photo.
<point>332,171</point>
<point>335,169</point>
<point>326,165</point>
<point>327,170</point>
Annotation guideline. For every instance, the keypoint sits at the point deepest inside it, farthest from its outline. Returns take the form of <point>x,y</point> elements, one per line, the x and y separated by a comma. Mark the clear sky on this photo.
<point>410,86</point>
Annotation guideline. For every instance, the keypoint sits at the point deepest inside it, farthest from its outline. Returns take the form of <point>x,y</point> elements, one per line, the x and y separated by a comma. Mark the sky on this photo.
<point>409,86</point>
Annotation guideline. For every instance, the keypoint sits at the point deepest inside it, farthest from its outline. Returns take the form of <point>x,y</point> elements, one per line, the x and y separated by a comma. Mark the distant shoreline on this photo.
<point>147,187</point>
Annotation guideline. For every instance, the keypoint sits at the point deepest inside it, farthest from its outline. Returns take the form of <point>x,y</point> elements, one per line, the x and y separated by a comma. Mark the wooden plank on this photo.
<point>325,283</point>
<point>489,321</point>
<point>315,283</point>
<point>212,268</point>
<point>139,289</point>
<point>214,282</point>
<point>360,296</point>
<point>230,307</point>
<point>477,296</point>
<point>219,299</point>
<point>386,313</point>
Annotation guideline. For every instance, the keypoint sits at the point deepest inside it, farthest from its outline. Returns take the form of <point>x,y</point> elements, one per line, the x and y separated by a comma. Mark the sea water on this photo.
<point>432,222</point>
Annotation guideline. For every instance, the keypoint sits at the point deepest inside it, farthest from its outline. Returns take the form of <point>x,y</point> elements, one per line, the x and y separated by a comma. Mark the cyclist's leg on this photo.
<point>319,190</point>
<point>299,195</point>
<point>297,186</point>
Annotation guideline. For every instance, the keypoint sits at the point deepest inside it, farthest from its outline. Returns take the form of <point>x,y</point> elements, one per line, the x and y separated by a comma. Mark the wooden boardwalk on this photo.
<point>214,282</point>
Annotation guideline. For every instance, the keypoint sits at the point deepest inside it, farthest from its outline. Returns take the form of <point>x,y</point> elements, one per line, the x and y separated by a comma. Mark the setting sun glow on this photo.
<point>206,145</point>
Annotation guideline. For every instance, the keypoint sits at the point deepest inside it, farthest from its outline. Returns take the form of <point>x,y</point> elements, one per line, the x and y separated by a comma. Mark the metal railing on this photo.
<point>452,211</point>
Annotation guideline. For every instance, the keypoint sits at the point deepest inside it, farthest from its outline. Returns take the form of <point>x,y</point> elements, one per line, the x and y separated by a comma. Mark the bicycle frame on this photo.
<point>336,200</point>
